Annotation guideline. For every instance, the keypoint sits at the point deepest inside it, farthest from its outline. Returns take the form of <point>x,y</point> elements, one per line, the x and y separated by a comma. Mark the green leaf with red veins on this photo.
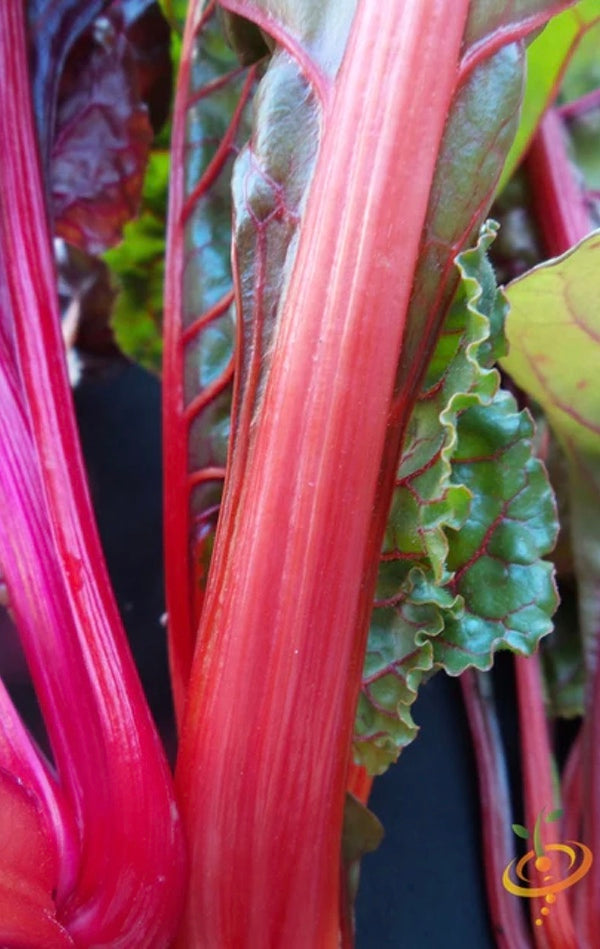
<point>482,122</point>
<point>480,128</point>
<point>213,103</point>
<point>554,336</point>
<point>508,592</point>
<point>459,513</point>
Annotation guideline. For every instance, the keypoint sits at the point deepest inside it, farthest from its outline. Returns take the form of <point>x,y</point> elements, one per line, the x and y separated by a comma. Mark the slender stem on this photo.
<point>494,796</point>
<point>581,106</point>
<point>587,912</point>
<point>177,527</point>
<point>559,202</point>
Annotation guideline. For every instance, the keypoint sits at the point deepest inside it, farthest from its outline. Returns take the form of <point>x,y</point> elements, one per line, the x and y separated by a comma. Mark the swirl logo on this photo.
<point>545,871</point>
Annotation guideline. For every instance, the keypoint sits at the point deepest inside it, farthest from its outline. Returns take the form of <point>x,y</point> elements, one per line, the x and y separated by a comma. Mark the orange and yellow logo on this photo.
<point>546,870</point>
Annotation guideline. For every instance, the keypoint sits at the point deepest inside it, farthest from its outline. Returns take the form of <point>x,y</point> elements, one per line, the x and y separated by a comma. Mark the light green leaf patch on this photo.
<point>554,335</point>
<point>547,58</point>
<point>460,574</point>
<point>137,263</point>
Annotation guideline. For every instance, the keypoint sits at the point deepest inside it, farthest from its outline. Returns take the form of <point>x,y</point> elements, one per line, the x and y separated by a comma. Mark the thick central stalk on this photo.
<point>267,731</point>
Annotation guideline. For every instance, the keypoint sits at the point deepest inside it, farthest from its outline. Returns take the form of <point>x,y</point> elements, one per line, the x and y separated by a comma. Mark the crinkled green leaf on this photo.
<point>472,513</point>
<point>508,593</point>
<point>554,334</point>
<point>547,59</point>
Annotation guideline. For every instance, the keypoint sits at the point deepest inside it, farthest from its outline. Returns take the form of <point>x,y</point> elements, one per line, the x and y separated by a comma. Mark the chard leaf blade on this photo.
<point>554,336</point>
<point>472,514</point>
<point>53,27</point>
<point>210,125</point>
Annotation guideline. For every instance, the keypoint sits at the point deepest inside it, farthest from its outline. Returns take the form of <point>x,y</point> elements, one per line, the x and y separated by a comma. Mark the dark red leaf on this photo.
<point>150,40</point>
<point>53,27</point>
<point>101,139</point>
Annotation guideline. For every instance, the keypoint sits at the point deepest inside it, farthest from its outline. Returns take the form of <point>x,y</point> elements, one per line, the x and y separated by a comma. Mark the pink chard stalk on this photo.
<point>99,831</point>
<point>374,149</point>
<point>347,491</point>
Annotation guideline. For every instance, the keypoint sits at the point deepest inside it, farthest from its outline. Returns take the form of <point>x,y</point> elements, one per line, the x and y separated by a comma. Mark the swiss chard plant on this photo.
<point>352,501</point>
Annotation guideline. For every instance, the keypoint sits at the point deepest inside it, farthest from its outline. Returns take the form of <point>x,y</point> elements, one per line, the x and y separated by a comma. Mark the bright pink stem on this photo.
<point>106,750</point>
<point>266,737</point>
